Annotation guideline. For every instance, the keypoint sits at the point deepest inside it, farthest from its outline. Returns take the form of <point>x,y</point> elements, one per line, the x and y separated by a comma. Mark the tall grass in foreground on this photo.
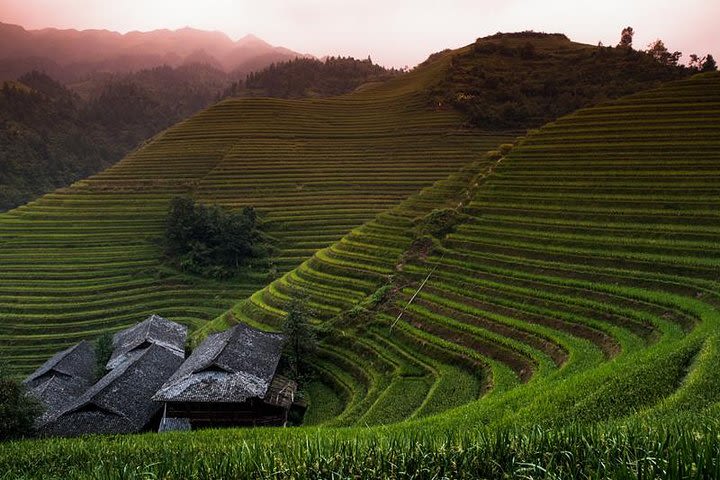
<point>575,452</point>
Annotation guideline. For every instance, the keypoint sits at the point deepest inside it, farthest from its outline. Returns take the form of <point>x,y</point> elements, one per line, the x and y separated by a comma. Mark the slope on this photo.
<point>591,242</point>
<point>598,233</point>
<point>87,258</point>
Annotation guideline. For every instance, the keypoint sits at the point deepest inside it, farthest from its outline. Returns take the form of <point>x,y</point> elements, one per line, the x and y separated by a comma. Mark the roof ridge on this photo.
<point>213,360</point>
<point>52,362</point>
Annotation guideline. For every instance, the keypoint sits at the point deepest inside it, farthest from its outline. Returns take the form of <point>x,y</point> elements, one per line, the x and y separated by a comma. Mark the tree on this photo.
<point>18,411</point>
<point>662,55</point>
<point>709,65</point>
<point>702,64</point>
<point>696,62</point>
<point>103,352</point>
<point>626,37</point>
<point>301,340</point>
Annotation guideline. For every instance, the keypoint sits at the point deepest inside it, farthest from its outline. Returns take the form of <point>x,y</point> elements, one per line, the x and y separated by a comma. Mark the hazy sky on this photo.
<point>393,32</point>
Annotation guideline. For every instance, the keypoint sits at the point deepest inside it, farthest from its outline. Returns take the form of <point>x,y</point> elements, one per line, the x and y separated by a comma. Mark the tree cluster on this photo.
<point>660,53</point>
<point>311,77</point>
<point>211,241</point>
<point>702,64</point>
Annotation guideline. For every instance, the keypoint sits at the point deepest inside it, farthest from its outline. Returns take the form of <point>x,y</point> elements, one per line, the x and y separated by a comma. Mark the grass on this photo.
<point>582,453</point>
<point>613,304</point>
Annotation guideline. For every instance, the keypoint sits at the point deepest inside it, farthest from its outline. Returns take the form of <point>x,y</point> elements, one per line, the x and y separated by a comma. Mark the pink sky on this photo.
<point>393,32</point>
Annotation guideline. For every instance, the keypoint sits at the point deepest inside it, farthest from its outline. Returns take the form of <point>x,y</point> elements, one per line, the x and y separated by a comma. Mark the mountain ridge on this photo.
<point>70,54</point>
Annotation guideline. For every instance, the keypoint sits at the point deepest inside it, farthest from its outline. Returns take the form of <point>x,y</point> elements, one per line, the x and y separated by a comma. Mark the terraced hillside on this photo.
<point>87,258</point>
<point>573,284</point>
<point>584,268</point>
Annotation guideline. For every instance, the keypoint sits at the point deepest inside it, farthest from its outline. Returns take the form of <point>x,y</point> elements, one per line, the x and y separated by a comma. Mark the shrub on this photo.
<point>439,222</point>
<point>18,411</point>
<point>103,352</point>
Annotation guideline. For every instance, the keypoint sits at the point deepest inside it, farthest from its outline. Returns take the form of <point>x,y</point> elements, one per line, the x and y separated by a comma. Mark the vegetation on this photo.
<point>582,453</point>
<point>702,64</point>
<point>103,352</point>
<point>626,37</point>
<point>560,305</point>
<point>17,411</point>
<point>309,77</point>
<point>524,80</point>
<point>45,142</point>
<point>210,240</point>
<point>51,136</point>
<point>578,288</point>
<point>301,339</point>
<point>89,259</point>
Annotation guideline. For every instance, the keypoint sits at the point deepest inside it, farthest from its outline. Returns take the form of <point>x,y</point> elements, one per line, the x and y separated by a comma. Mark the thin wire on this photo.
<point>416,293</point>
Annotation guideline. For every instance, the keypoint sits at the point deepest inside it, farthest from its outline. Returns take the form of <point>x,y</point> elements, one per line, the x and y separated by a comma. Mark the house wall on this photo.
<point>252,413</point>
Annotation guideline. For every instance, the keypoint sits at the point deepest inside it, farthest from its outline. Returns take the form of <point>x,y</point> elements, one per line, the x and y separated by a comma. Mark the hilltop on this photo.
<point>526,79</point>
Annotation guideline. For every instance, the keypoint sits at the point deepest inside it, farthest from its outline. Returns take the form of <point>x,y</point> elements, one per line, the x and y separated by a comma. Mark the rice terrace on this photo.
<point>225,259</point>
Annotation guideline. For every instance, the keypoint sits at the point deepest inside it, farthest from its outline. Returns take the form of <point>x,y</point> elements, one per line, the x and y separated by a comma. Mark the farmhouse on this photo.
<point>121,401</point>
<point>143,358</point>
<point>229,380</point>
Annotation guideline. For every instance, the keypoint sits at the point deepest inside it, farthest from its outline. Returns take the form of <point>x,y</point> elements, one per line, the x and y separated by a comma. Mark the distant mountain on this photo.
<point>70,55</point>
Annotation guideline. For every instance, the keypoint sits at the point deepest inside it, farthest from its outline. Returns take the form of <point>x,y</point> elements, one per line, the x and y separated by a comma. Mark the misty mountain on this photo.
<point>72,55</point>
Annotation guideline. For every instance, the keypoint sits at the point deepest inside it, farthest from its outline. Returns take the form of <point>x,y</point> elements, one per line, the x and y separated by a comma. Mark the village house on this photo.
<point>229,380</point>
<point>144,357</point>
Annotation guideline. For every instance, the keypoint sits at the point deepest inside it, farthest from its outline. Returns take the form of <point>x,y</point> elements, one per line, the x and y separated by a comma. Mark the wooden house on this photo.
<point>230,380</point>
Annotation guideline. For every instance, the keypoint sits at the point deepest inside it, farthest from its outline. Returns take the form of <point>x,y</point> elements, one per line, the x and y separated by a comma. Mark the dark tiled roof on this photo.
<point>63,378</point>
<point>121,401</point>
<point>154,330</point>
<point>56,393</point>
<point>231,366</point>
<point>76,362</point>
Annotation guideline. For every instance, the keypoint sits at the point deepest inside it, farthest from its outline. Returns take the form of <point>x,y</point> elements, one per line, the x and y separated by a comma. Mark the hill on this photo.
<point>591,243</point>
<point>72,55</point>
<point>570,301</point>
<point>526,79</point>
<point>315,169</point>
